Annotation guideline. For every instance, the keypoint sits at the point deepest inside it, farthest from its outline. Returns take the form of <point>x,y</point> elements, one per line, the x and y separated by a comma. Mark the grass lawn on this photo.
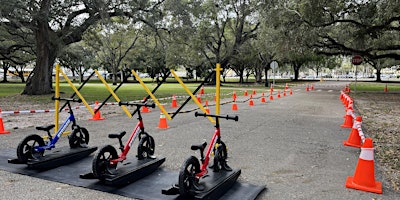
<point>374,87</point>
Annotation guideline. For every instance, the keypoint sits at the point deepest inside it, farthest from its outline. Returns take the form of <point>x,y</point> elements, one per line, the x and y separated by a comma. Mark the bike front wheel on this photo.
<point>101,165</point>
<point>220,156</point>
<point>26,148</point>
<point>79,137</point>
<point>146,147</point>
<point>187,176</point>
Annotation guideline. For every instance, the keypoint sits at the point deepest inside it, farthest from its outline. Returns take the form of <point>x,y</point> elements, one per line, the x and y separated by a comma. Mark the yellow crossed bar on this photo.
<point>151,95</point>
<point>113,93</point>
<point>191,95</point>
<point>57,95</point>
<point>77,93</point>
<point>217,93</point>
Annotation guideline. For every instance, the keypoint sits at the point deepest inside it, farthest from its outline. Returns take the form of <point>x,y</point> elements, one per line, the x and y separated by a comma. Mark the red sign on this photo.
<point>356,60</point>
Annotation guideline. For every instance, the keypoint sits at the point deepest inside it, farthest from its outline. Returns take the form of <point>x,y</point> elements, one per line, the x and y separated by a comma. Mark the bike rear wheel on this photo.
<point>187,176</point>
<point>26,148</point>
<point>101,165</point>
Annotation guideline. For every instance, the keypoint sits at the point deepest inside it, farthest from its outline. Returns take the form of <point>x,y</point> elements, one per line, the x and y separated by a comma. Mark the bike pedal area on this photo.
<point>139,179</point>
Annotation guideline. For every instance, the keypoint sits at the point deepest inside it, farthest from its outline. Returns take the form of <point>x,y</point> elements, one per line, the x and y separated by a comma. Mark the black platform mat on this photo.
<point>148,187</point>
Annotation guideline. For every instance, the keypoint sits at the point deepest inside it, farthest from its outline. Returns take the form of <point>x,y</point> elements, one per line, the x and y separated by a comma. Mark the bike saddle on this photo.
<point>45,128</point>
<point>117,135</point>
<point>199,146</point>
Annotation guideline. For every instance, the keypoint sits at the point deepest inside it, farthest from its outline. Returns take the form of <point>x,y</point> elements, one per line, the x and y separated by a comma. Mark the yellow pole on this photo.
<point>217,85</point>
<point>151,95</point>
<point>77,92</point>
<point>113,93</point>
<point>191,95</point>
<point>57,95</point>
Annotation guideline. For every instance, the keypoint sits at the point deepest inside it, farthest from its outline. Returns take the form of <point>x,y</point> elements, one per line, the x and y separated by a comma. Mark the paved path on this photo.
<point>293,145</point>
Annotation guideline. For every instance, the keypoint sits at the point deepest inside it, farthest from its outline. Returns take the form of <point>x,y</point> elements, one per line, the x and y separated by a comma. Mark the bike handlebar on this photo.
<point>236,118</point>
<point>151,105</point>
<point>66,99</point>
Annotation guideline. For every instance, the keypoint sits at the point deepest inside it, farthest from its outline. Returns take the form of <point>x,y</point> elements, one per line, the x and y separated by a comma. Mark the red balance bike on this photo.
<point>192,170</point>
<point>106,160</point>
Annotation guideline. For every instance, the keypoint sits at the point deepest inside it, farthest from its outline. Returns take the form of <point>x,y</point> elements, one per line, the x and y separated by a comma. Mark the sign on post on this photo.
<point>356,60</point>
<point>273,66</point>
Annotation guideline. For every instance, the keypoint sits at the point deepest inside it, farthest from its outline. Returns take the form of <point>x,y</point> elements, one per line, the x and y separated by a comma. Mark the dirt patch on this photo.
<point>381,122</point>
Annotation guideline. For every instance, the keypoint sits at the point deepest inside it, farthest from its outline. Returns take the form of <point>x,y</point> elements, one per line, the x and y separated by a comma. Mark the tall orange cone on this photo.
<point>163,122</point>
<point>2,131</point>
<point>364,175</point>
<point>263,98</point>
<point>97,115</point>
<point>348,120</point>
<point>234,105</point>
<point>356,136</point>
<point>251,102</point>
<point>174,104</point>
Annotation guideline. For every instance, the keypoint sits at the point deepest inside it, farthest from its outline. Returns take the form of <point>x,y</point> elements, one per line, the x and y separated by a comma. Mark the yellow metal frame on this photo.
<point>113,93</point>
<point>151,95</point>
<point>191,94</point>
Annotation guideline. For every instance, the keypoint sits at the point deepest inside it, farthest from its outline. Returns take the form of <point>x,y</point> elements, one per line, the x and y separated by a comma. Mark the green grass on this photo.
<point>375,87</point>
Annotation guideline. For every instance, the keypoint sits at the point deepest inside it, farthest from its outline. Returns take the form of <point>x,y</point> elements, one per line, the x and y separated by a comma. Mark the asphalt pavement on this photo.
<point>292,145</point>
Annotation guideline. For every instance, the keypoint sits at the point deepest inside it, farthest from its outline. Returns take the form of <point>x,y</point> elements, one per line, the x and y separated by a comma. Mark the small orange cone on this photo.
<point>290,91</point>
<point>286,86</point>
<point>245,93</point>
<point>312,86</point>
<point>279,94</point>
<point>284,93</point>
<point>202,90</point>
<point>234,105</point>
<point>355,139</point>
<point>163,121</point>
<point>254,92</point>
<point>263,98</point>
<point>199,98</point>
<point>364,175</point>
<point>307,89</point>
<point>271,97</point>
<point>2,131</point>
<point>174,104</point>
<point>234,95</point>
<point>251,102</point>
<point>97,115</point>
<point>386,88</point>
<point>348,120</point>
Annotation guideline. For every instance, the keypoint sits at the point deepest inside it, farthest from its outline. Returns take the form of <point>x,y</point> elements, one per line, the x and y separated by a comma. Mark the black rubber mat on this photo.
<point>148,187</point>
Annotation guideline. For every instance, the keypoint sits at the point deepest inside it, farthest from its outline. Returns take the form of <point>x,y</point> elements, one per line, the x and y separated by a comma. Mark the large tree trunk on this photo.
<point>378,75</point>
<point>296,70</point>
<point>40,82</point>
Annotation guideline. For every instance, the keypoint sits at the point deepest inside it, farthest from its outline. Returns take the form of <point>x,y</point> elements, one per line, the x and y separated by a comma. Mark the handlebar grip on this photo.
<point>196,114</point>
<point>236,118</point>
<point>123,103</point>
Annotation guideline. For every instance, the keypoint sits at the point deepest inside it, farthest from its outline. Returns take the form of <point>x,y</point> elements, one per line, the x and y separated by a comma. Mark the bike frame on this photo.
<point>52,143</point>
<point>139,128</point>
<point>216,137</point>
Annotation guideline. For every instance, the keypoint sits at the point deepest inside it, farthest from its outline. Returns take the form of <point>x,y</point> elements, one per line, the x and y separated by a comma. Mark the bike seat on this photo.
<point>199,146</point>
<point>117,135</point>
<point>45,128</point>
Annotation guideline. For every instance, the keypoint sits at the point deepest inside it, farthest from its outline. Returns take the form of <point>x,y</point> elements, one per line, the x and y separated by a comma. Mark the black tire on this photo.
<point>79,138</point>
<point>101,163</point>
<point>220,156</point>
<point>187,177</point>
<point>146,147</point>
<point>25,149</point>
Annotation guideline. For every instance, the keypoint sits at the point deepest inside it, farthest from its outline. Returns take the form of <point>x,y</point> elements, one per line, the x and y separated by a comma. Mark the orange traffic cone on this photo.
<point>97,115</point>
<point>234,95</point>
<point>263,98</point>
<point>174,104</point>
<point>279,94</point>
<point>245,93</point>
<point>202,90</point>
<point>254,92</point>
<point>355,139</point>
<point>307,89</point>
<point>364,175</point>
<point>234,105</point>
<point>2,131</point>
<point>386,88</point>
<point>286,86</point>
<point>251,102</point>
<point>348,120</point>
<point>207,110</point>
<point>163,122</point>
<point>291,92</point>
<point>199,98</point>
<point>271,97</point>
<point>312,86</point>
<point>284,93</point>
